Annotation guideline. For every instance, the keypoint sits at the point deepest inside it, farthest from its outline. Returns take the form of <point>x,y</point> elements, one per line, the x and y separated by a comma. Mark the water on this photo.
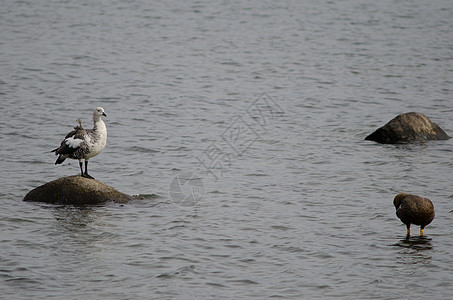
<point>304,212</point>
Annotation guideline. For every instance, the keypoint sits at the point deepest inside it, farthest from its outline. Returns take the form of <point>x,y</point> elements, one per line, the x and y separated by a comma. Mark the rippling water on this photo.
<point>298,208</point>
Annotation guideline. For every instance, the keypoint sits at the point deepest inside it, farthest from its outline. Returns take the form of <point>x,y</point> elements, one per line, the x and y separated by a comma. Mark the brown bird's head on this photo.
<point>398,199</point>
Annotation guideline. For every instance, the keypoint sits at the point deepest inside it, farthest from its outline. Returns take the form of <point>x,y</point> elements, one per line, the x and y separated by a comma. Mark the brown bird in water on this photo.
<point>413,209</point>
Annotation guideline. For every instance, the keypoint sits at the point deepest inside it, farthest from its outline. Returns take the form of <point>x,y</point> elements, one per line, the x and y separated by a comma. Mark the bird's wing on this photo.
<point>71,143</point>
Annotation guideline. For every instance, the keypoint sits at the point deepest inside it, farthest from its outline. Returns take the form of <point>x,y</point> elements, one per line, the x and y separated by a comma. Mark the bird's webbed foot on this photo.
<point>86,175</point>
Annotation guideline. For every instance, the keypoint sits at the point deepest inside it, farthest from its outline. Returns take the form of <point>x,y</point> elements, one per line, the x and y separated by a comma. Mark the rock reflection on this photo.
<point>75,219</point>
<point>79,230</point>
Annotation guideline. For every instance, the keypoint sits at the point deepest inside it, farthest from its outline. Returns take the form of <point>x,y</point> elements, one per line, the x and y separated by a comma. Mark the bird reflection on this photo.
<point>414,250</point>
<point>415,242</point>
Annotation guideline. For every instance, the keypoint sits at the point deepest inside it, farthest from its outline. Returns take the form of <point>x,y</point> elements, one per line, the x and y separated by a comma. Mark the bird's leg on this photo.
<point>408,229</point>
<point>421,231</point>
<point>81,169</point>
<point>86,170</point>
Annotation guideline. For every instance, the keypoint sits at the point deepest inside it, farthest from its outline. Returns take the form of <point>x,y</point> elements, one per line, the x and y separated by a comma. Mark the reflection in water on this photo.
<point>415,250</point>
<point>74,219</point>
<point>78,230</point>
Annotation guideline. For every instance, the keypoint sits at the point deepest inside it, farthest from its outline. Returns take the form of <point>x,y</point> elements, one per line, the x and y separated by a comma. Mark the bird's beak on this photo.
<point>104,114</point>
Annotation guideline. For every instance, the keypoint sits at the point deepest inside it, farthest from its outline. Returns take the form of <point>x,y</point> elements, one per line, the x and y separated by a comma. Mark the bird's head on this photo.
<point>398,199</point>
<point>98,112</point>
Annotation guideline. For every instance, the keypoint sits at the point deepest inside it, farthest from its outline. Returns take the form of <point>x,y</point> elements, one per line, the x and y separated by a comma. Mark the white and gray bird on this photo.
<point>83,144</point>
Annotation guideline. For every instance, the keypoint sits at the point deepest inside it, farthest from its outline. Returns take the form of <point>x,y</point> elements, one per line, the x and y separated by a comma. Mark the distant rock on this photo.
<point>76,190</point>
<point>407,128</point>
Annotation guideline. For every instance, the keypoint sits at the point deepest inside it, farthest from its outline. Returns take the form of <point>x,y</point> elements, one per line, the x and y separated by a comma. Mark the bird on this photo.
<point>83,144</point>
<point>413,209</point>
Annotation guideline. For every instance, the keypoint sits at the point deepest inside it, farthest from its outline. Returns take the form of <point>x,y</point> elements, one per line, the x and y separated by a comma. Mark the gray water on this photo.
<point>289,204</point>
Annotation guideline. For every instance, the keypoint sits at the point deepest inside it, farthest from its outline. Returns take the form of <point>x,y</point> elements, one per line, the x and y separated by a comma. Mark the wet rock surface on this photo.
<point>407,128</point>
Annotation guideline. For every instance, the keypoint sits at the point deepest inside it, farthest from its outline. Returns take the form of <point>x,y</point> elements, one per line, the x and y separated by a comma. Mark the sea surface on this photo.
<point>239,126</point>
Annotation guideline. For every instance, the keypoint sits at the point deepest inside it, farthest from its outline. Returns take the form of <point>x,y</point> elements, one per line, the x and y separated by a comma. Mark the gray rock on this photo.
<point>407,128</point>
<point>76,190</point>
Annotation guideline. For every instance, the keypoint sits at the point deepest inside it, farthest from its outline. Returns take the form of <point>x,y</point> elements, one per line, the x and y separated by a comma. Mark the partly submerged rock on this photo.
<point>407,128</point>
<point>76,190</point>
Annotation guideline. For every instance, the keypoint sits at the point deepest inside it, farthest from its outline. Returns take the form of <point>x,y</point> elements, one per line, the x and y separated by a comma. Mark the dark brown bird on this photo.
<point>413,209</point>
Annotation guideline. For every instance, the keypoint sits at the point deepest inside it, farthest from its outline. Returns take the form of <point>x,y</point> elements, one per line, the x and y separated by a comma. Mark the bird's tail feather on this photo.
<point>60,159</point>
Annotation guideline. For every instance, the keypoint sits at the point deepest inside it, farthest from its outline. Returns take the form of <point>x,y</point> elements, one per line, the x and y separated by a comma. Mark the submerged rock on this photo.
<point>76,190</point>
<point>407,128</point>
